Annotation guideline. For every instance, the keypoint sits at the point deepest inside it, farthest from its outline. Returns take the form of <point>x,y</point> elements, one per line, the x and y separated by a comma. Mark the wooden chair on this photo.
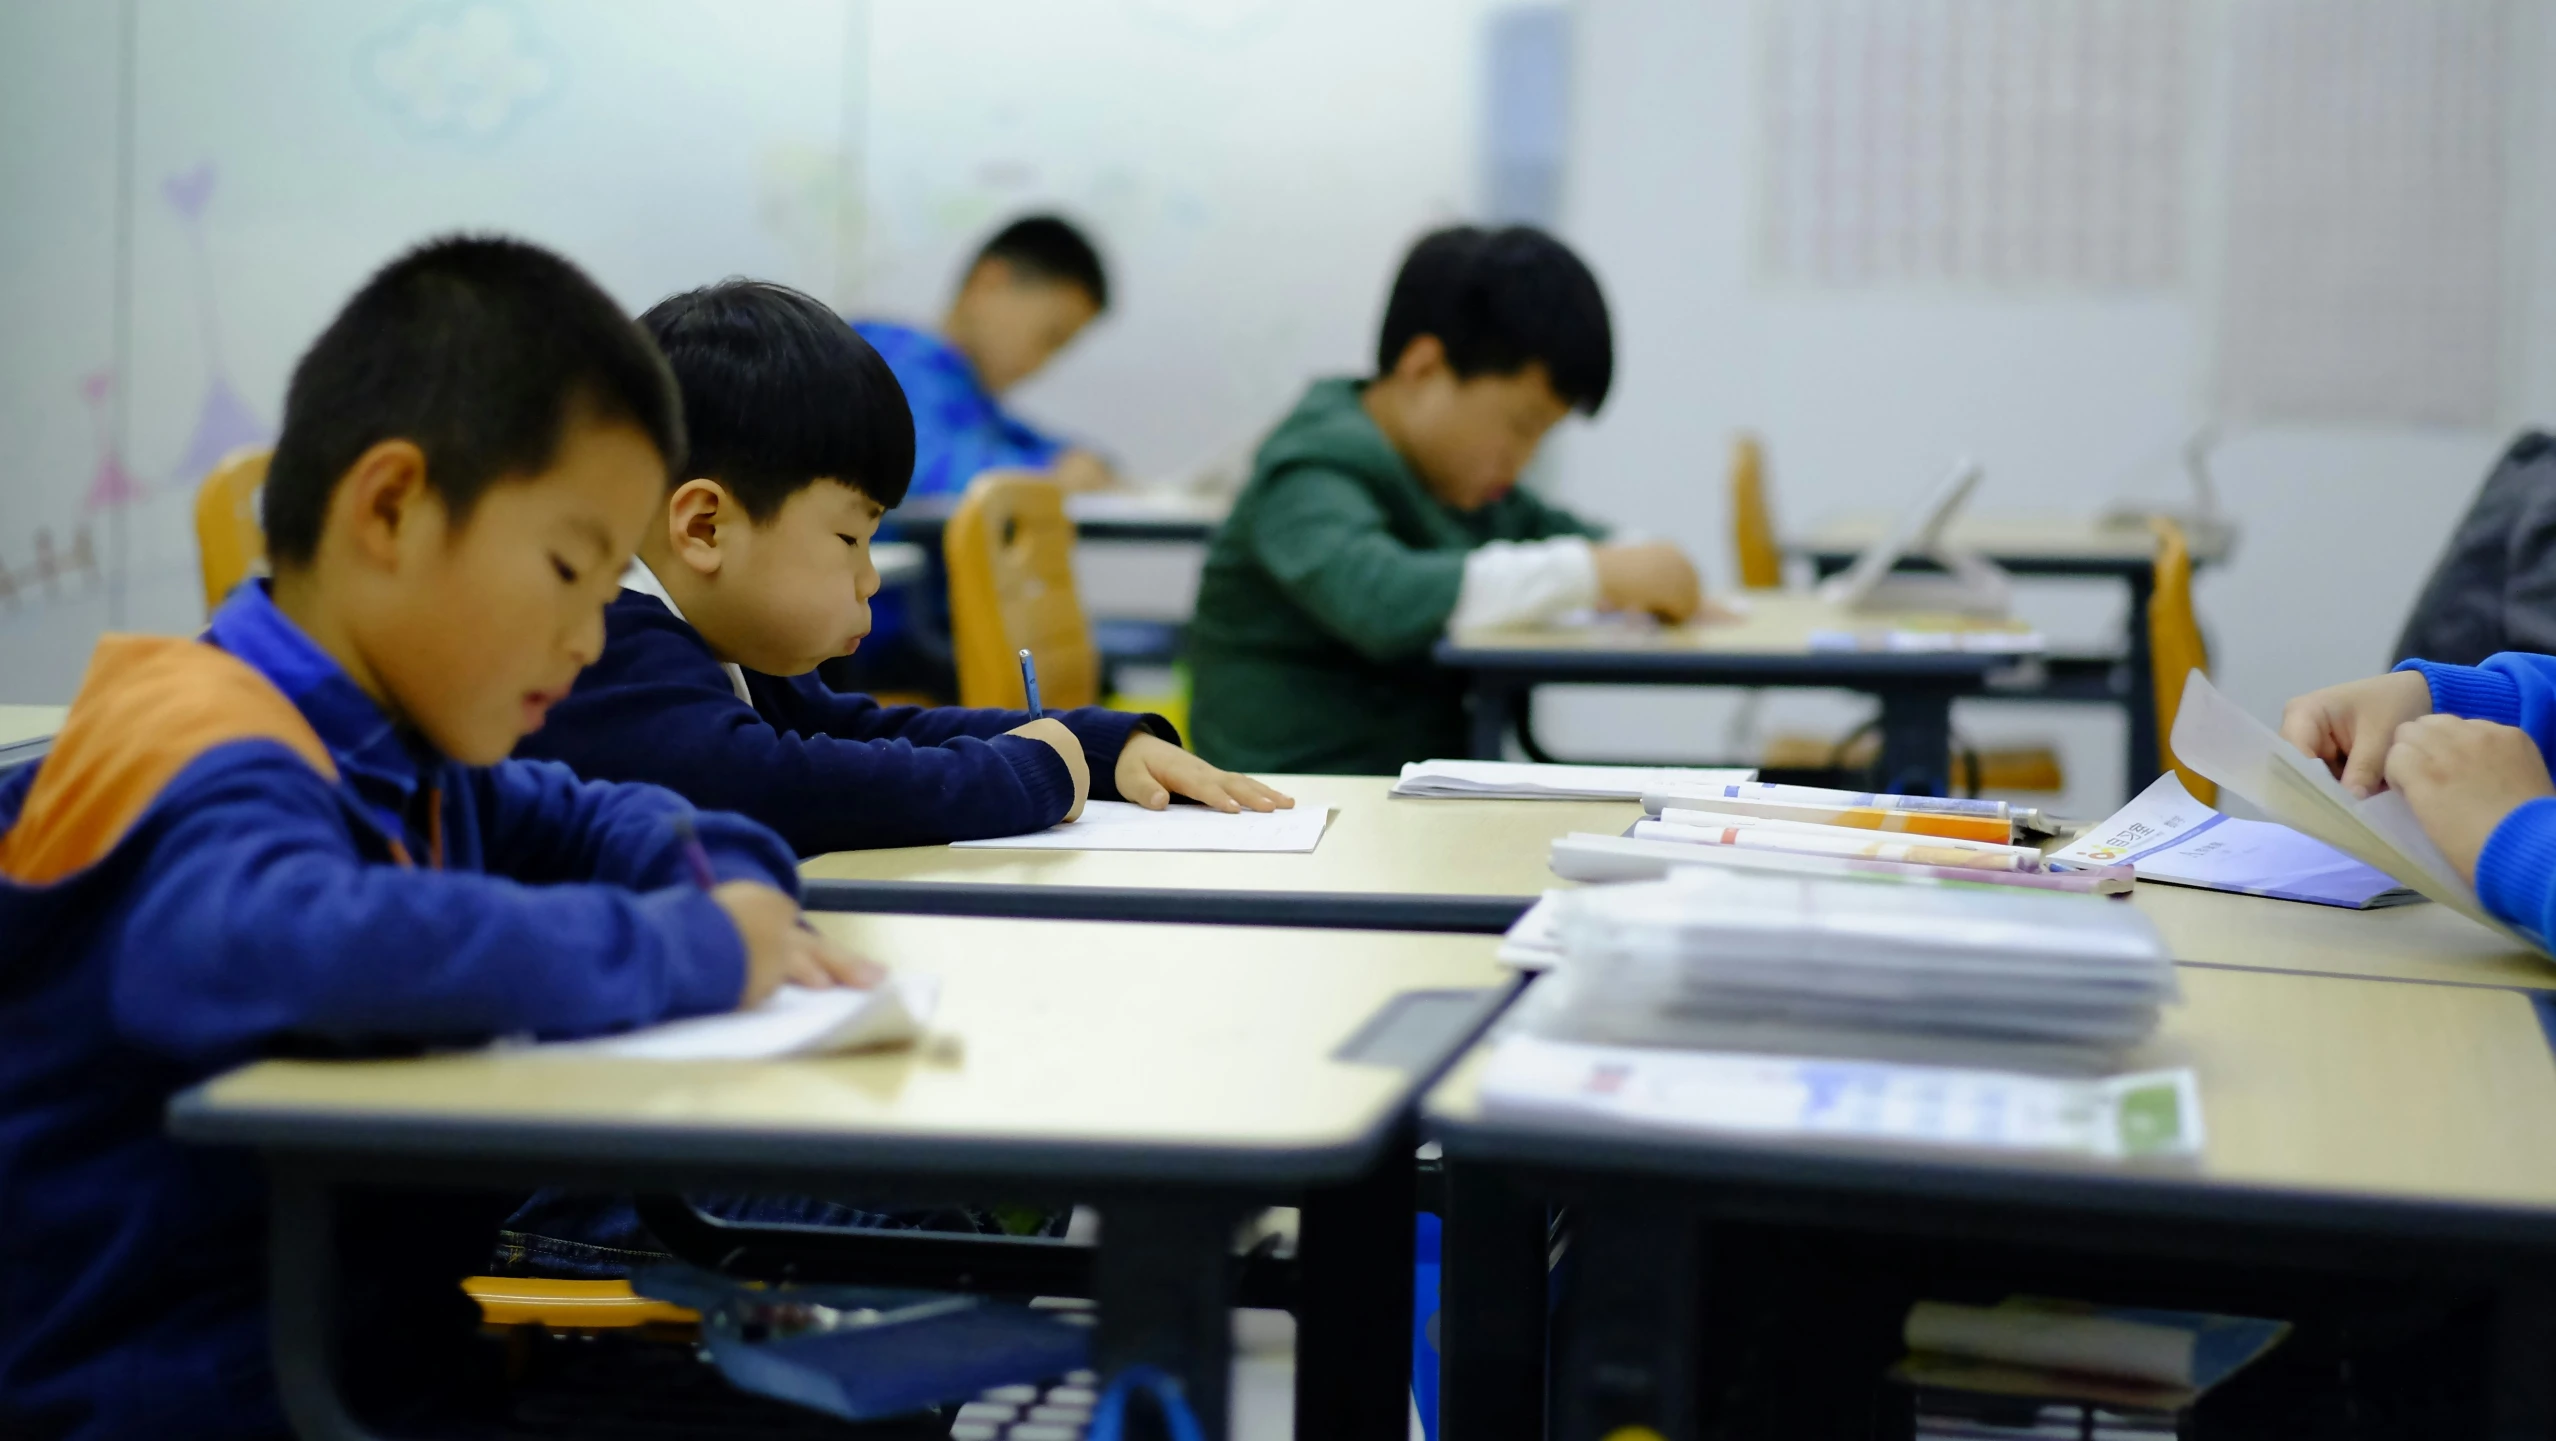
<point>2175,647</point>
<point>1010,551</point>
<point>1761,556</point>
<point>571,1305</point>
<point>229,541</point>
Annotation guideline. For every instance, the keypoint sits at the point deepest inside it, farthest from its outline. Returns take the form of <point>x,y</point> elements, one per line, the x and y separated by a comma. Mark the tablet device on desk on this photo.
<point>1973,587</point>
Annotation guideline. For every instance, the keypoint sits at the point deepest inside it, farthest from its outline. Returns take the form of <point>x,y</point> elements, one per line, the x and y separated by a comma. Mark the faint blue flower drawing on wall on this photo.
<point>466,71</point>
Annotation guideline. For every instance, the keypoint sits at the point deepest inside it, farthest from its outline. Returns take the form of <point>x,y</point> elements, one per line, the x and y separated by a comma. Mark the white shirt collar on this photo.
<point>643,580</point>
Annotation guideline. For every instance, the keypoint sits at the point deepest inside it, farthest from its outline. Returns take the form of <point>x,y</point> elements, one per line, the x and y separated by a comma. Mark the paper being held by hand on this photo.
<point>1120,826</point>
<point>795,1021</point>
<point>2214,737</point>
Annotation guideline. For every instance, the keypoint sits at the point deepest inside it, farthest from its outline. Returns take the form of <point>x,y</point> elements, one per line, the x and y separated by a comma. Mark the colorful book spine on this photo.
<point>1879,800</point>
<point>1996,829</point>
<point>1707,820</point>
<point>1765,838</point>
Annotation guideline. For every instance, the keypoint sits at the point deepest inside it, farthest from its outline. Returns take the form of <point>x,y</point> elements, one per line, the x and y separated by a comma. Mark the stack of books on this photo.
<point>2036,1367</point>
<point>1770,963</point>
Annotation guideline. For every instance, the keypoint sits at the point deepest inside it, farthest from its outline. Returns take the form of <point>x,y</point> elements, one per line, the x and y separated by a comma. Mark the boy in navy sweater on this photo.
<point>2469,747</point>
<point>300,831</point>
<point>758,570</point>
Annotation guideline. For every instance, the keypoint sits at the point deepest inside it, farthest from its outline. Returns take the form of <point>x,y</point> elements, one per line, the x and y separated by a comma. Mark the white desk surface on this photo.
<point>1777,623</point>
<point>1376,843</point>
<point>2420,942</point>
<point>1049,1033</point>
<point>2444,1093</point>
<point>2017,535</point>
<point>19,723</point>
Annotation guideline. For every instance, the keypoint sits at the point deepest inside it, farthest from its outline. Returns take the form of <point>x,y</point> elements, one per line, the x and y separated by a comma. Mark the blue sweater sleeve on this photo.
<point>657,708</point>
<point>806,706</point>
<point>543,825</point>
<point>290,933</point>
<point>2516,872</point>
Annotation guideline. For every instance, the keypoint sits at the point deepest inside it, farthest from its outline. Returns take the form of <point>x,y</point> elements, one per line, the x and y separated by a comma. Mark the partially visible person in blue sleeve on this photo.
<point>2468,746</point>
<point>1029,291</point>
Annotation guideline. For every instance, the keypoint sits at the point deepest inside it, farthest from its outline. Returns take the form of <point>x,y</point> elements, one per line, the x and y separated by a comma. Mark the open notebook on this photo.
<point>2214,737</point>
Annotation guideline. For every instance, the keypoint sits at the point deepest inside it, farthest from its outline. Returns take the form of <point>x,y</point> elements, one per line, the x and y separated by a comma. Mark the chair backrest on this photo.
<point>1010,551</point>
<point>1761,557</point>
<point>229,542</point>
<point>2175,647</point>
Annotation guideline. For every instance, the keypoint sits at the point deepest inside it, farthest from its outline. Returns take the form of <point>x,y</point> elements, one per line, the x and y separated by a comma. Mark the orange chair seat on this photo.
<point>570,1305</point>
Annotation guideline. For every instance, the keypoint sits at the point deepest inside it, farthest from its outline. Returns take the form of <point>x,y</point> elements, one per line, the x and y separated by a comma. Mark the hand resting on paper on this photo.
<point>1052,732</point>
<point>2350,726</point>
<point>780,946</point>
<point>2462,777</point>
<point>1653,578</point>
<point>1152,770</point>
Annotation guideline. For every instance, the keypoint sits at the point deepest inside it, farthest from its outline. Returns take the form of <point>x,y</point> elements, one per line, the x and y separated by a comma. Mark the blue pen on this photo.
<point>1029,684</point>
<point>694,857</point>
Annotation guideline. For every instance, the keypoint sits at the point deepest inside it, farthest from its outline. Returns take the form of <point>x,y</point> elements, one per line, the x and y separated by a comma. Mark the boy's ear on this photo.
<point>377,501</point>
<point>694,514</point>
<point>1423,357</point>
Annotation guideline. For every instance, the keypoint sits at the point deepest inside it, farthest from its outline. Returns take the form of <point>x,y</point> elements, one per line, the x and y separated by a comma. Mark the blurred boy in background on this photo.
<point>1384,512</point>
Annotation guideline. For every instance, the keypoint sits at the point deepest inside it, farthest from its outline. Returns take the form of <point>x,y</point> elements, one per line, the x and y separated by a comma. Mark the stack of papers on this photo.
<point>2214,737</point>
<point>1121,826</point>
<point>1732,960</point>
<point>1534,941</point>
<point>1512,780</point>
<point>1861,810</point>
<point>1976,642</point>
<point>795,1021</point>
<point>2166,835</point>
<point>2150,1115</point>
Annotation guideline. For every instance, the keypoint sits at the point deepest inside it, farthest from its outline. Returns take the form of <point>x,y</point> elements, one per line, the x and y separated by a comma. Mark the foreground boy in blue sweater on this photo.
<point>758,569</point>
<point>2469,747</point>
<point>299,831</point>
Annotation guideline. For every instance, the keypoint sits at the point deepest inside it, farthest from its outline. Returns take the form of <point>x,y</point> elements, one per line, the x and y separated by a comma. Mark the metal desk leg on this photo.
<point>2524,1366</point>
<point>302,1321</point>
<point>1631,1347</point>
<point>1164,1280</point>
<point>1493,701</point>
<point>1353,1309</point>
<point>1492,1302</point>
<point>1916,735</point>
<point>2145,755</point>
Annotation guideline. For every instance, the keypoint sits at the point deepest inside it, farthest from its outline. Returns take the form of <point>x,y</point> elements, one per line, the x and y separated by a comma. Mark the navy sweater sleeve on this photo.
<point>658,708</point>
<point>542,824</point>
<point>291,933</point>
<point>806,706</point>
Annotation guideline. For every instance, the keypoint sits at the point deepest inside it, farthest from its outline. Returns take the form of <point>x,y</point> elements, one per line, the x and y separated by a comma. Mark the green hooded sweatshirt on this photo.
<point>1323,593</point>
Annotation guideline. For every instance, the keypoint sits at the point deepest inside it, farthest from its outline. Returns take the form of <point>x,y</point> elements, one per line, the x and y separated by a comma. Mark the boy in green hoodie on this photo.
<point>1384,512</point>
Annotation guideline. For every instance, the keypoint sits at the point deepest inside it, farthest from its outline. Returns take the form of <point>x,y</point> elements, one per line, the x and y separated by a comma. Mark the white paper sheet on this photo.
<point>1521,781</point>
<point>1533,943</point>
<point>796,1021</point>
<point>2214,737</point>
<point>1120,826</point>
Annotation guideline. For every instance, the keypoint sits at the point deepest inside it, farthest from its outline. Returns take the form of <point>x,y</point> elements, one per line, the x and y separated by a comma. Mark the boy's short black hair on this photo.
<point>479,350</point>
<point>1048,247</point>
<point>1499,300</point>
<point>779,392</point>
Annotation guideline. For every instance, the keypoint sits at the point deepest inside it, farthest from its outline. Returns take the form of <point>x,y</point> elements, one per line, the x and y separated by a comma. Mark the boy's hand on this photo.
<point>781,948</point>
<point>1077,471</point>
<point>1652,576</point>
<point>1051,731</point>
<point>2350,726</point>
<point>2462,777</point>
<point>1152,770</point>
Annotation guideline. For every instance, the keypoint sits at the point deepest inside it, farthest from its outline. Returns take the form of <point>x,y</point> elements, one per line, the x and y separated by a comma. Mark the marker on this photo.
<point>1029,684</point>
<point>694,857</point>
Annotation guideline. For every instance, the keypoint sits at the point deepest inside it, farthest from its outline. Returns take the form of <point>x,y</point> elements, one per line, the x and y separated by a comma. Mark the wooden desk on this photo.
<point>2059,545</point>
<point>1172,1076</point>
<point>1393,863</point>
<point>2424,942</point>
<point>2350,1124</point>
<point>26,732</point>
<point>1770,646</point>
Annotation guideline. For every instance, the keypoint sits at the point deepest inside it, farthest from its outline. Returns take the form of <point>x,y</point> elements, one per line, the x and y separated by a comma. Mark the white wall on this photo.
<point>1860,394</point>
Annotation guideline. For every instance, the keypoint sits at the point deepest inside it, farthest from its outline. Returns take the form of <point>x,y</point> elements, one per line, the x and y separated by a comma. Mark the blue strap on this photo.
<point>1109,1417</point>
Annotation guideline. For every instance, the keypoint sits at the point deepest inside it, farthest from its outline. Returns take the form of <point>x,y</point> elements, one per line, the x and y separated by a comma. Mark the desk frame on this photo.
<point>1916,690</point>
<point>1316,910</point>
<point>1163,1272</point>
<point>1501,1177</point>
